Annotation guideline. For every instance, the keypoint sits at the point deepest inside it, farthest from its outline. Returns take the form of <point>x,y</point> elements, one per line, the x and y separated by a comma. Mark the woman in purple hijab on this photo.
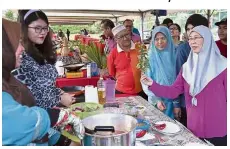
<point>203,80</point>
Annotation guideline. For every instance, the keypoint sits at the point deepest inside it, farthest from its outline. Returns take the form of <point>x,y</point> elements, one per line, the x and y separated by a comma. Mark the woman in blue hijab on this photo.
<point>162,63</point>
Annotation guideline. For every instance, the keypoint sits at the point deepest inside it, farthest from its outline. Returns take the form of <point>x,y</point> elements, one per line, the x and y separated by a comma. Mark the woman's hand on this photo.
<point>67,100</point>
<point>67,118</point>
<point>161,106</point>
<point>146,80</point>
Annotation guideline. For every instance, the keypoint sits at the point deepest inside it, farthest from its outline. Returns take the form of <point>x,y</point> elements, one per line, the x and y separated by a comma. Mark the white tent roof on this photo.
<point>90,16</point>
<point>87,16</point>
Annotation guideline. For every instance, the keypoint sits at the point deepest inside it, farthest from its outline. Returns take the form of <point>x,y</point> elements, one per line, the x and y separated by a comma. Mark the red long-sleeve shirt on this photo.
<point>222,47</point>
<point>122,65</point>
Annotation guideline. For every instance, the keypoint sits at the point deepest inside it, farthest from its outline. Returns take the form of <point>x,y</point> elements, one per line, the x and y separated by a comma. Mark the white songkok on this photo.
<point>117,29</point>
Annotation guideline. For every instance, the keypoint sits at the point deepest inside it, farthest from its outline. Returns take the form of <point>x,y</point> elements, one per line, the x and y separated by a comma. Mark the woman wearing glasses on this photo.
<point>23,123</point>
<point>175,32</point>
<point>203,80</point>
<point>37,70</point>
<point>162,68</point>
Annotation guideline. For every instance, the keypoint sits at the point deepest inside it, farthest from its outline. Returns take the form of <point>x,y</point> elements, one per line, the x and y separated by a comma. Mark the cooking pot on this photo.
<point>109,130</point>
<point>73,67</point>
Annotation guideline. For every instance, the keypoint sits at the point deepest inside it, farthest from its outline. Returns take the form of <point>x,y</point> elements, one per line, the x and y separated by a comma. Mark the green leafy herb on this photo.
<point>143,57</point>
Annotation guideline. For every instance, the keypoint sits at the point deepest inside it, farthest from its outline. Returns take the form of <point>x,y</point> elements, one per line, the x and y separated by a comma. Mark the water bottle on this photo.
<point>101,90</point>
<point>94,69</point>
<point>88,70</point>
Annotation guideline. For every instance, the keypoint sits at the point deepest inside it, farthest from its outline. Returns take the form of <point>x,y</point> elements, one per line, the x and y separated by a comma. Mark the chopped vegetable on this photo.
<point>140,133</point>
<point>160,126</point>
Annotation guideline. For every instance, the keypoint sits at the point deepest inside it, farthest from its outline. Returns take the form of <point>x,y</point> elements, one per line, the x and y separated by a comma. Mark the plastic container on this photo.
<point>94,69</point>
<point>60,70</point>
<point>101,90</point>
<point>110,90</point>
<point>88,70</point>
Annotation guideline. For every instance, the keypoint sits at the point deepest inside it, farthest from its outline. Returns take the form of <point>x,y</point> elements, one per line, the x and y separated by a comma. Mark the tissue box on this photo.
<point>74,74</point>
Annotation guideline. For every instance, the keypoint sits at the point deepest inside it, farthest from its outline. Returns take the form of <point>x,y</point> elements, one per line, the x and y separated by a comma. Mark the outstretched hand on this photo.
<point>161,106</point>
<point>146,80</point>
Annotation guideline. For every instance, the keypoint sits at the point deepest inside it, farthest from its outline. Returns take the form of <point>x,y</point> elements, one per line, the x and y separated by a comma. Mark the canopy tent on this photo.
<point>90,16</point>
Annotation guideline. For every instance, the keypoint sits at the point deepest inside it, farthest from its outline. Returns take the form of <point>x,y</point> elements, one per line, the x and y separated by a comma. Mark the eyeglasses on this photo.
<point>122,37</point>
<point>39,29</point>
<point>194,39</point>
<point>162,39</point>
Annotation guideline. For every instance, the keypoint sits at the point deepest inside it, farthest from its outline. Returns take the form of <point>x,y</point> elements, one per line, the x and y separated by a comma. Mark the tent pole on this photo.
<point>142,25</point>
<point>116,20</point>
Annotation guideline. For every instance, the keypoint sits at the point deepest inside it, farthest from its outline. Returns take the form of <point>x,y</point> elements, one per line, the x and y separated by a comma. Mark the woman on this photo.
<point>37,70</point>
<point>162,67</point>
<point>203,80</point>
<point>183,50</point>
<point>18,105</point>
<point>182,53</point>
<point>175,32</point>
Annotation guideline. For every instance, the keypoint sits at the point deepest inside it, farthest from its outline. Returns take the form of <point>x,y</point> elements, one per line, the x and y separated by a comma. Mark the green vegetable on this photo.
<point>70,136</point>
<point>94,54</point>
<point>143,59</point>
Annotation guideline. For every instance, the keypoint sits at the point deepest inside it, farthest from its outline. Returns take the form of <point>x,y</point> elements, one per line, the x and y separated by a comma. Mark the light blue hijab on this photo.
<point>162,62</point>
<point>203,67</point>
<point>162,69</point>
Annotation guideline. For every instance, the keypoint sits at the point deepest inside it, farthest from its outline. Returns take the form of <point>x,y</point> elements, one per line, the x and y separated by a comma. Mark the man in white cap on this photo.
<point>122,62</point>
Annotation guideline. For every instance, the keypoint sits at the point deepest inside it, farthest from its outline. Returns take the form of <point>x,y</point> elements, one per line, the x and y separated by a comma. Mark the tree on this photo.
<point>76,29</point>
<point>9,14</point>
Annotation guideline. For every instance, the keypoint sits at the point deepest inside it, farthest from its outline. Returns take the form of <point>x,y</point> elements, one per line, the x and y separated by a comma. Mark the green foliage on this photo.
<point>76,29</point>
<point>9,14</point>
<point>82,47</point>
<point>143,58</point>
<point>94,55</point>
<point>73,44</point>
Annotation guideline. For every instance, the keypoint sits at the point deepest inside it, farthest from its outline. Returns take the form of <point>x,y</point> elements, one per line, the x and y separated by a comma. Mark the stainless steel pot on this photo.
<point>110,130</point>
